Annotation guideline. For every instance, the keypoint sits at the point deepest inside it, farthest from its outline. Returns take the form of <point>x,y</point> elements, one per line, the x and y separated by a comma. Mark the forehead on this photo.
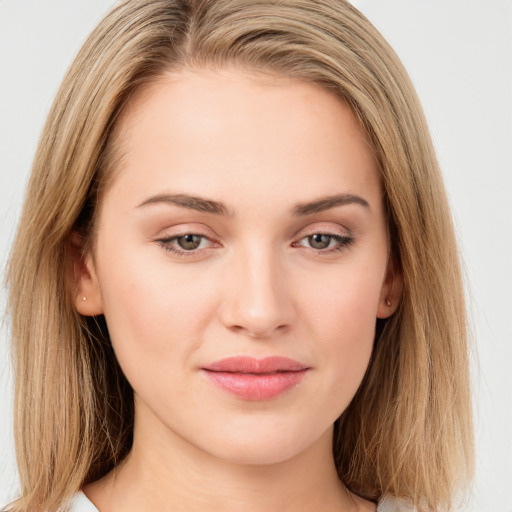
<point>227,132</point>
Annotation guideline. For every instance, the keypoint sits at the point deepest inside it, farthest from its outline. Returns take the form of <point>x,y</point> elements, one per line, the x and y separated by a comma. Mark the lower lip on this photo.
<point>250,386</point>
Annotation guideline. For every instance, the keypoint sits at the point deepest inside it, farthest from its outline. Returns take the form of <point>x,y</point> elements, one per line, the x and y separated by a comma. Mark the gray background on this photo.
<point>459,55</point>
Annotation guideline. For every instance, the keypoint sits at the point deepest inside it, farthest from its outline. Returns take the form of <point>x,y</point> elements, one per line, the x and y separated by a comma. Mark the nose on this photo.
<point>257,300</point>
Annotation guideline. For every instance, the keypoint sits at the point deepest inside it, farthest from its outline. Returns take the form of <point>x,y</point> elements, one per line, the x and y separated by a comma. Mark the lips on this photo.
<point>256,379</point>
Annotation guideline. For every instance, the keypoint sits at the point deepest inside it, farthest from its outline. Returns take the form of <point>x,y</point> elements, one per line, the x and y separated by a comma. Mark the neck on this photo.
<point>165,472</point>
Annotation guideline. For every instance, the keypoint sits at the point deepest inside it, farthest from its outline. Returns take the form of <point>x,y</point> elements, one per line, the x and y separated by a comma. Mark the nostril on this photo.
<point>260,333</point>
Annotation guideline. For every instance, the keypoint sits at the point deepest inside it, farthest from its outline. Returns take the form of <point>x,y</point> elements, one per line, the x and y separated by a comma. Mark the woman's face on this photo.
<point>241,262</point>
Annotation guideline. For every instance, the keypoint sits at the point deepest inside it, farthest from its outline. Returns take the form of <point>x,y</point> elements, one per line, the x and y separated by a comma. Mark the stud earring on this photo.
<point>388,302</point>
<point>84,298</point>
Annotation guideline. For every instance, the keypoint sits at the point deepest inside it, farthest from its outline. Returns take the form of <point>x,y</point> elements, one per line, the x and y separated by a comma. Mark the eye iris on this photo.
<point>189,242</point>
<point>319,241</point>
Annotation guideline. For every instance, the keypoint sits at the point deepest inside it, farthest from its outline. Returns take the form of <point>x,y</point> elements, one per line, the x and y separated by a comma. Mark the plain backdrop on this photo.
<point>459,55</point>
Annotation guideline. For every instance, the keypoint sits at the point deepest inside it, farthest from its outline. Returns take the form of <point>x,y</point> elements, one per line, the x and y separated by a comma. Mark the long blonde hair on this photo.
<point>408,430</point>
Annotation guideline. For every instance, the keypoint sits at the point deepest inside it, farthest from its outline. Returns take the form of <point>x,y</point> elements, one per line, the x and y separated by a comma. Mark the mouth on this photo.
<point>256,379</point>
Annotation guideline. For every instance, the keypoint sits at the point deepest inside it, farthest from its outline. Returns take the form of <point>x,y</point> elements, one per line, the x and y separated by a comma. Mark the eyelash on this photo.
<point>343,242</point>
<point>165,243</point>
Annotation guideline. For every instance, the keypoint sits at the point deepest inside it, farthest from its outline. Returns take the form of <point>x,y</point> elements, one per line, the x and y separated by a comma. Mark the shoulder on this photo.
<point>392,504</point>
<point>80,503</point>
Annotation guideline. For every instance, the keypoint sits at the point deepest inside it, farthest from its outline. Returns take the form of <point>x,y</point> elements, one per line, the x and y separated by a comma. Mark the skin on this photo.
<point>257,285</point>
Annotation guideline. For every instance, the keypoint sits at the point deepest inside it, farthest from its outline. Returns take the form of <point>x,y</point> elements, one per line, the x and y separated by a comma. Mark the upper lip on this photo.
<point>245,364</point>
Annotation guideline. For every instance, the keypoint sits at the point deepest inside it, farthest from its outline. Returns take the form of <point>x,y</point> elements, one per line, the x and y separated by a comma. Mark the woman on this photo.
<point>237,261</point>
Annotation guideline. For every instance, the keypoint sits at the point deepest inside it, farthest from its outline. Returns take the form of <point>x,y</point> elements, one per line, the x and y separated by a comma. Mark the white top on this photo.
<point>80,503</point>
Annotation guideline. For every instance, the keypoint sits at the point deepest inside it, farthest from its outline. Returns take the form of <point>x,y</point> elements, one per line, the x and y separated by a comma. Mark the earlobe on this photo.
<point>391,293</point>
<point>82,279</point>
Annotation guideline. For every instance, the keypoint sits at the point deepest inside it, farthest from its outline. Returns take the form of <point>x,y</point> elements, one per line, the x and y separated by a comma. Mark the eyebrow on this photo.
<point>217,208</point>
<point>187,201</point>
<point>325,203</point>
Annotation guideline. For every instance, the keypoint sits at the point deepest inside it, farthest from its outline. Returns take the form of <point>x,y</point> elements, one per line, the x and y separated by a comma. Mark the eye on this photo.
<point>187,244</point>
<point>320,241</point>
<point>325,242</point>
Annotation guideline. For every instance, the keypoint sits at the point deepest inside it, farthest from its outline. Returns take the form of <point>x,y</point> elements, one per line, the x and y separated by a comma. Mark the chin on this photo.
<point>265,445</point>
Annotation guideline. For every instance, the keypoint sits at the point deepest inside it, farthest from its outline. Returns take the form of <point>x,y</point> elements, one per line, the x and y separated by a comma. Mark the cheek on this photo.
<point>154,312</point>
<point>343,300</point>
<point>341,312</point>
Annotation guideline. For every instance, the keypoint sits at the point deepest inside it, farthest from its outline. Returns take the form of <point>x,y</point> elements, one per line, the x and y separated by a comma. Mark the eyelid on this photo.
<point>343,238</point>
<point>167,245</point>
<point>169,235</point>
<point>179,230</point>
<point>342,235</point>
<point>320,228</point>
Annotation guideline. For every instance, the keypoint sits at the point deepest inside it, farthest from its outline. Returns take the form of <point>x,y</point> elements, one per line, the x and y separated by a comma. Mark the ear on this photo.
<point>82,280</point>
<point>391,291</point>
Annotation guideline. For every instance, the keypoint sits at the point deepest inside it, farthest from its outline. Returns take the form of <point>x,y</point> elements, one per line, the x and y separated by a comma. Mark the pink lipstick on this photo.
<point>256,379</point>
